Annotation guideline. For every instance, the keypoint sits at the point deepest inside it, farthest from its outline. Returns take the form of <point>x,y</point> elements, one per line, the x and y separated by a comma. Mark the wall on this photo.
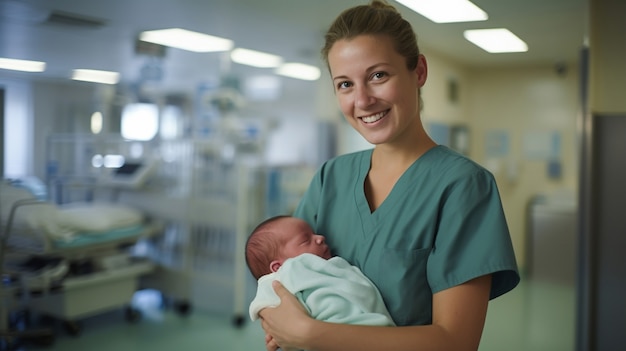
<point>525,104</point>
<point>17,136</point>
<point>59,107</point>
<point>438,107</point>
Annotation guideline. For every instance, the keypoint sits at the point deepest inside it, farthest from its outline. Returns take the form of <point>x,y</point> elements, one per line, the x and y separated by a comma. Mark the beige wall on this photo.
<point>437,105</point>
<point>525,103</point>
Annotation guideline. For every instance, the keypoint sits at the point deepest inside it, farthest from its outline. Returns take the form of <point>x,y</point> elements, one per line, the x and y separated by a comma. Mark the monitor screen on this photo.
<point>128,169</point>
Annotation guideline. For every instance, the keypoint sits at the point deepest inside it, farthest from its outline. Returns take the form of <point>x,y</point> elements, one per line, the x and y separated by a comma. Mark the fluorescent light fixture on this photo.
<point>22,65</point>
<point>187,40</point>
<point>95,76</point>
<point>255,58</point>
<point>446,11</point>
<point>299,71</point>
<point>496,40</point>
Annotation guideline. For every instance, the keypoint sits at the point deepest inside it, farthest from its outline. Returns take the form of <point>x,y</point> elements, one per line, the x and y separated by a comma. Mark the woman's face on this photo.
<point>377,93</point>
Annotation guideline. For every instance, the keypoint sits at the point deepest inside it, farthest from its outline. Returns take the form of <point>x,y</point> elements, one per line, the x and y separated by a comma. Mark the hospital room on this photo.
<point>135,164</point>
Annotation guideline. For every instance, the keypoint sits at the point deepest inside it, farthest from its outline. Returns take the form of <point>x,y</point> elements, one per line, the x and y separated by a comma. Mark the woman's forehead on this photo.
<point>361,53</point>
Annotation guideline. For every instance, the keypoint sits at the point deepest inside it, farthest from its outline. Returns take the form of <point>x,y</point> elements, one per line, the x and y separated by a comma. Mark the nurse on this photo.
<point>423,222</point>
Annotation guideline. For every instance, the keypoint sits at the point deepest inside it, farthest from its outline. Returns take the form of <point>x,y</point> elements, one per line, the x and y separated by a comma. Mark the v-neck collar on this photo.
<point>369,218</point>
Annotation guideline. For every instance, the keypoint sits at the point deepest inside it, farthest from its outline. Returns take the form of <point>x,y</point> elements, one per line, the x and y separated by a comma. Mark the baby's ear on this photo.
<point>274,265</point>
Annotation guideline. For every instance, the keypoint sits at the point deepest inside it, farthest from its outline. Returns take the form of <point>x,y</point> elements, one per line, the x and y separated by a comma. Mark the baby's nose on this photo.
<point>320,239</point>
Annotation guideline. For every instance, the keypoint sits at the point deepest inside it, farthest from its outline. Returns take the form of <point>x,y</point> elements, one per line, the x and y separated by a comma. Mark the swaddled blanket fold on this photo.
<point>331,290</point>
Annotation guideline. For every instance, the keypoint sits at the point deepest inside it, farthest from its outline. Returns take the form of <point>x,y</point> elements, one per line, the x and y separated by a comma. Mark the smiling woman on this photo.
<point>423,222</point>
<point>373,89</point>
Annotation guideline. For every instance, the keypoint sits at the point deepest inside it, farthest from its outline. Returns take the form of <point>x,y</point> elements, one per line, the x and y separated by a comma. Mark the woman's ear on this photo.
<point>274,265</point>
<point>421,70</point>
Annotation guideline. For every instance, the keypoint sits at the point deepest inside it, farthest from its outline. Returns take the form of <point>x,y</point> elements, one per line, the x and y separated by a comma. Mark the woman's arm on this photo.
<point>458,319</point>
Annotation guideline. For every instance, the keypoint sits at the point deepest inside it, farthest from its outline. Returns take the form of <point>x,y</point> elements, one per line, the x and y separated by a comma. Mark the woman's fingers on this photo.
<point>270,343</point>
<point>280,289</point>
<point>281,322</point>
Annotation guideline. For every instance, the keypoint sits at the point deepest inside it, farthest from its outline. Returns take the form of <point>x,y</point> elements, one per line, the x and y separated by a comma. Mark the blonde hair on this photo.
<point>376,18</point>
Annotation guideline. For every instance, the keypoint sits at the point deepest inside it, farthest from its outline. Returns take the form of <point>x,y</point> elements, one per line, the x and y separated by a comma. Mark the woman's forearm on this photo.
<point>458,319</point>
<point>325,336</point>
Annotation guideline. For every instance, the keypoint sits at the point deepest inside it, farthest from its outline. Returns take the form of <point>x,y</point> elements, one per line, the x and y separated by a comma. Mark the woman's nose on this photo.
<point>363,97</point>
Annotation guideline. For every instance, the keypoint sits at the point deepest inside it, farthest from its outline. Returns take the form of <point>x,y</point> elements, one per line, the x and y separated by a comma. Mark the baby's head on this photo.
<point>279,238</point>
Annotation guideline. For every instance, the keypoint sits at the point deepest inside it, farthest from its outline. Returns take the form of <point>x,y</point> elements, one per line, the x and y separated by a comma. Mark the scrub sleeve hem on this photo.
<point>504,279</point>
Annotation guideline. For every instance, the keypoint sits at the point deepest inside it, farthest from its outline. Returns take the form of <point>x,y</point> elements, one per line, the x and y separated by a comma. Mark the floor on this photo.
<point>535,316</point>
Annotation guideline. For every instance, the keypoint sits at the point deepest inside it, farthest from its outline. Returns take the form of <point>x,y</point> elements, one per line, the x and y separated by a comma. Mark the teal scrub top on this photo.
<point>440,226</point>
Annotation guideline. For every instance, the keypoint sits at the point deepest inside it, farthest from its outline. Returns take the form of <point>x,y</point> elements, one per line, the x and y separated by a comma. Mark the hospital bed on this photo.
<point>70,261</point>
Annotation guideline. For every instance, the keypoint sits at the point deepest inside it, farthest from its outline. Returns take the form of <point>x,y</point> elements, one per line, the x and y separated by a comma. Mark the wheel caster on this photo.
<point>45,340</point>
<point>72,327</point>
<point>183,308</point>
<point>239,321</point>
<point>9,343</point>
<point>132,315</point>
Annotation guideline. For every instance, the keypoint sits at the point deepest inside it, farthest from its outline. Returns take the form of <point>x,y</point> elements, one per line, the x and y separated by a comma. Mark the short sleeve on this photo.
<point>472,237</point>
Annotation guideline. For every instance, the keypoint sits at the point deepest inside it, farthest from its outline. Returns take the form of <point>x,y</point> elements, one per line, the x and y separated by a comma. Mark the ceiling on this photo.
<point>553,29</point>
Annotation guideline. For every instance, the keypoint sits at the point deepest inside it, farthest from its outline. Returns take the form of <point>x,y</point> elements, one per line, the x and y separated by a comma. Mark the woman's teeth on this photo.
<point>373,118</point>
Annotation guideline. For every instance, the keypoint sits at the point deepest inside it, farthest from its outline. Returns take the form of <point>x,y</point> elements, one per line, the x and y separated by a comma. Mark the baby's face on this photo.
<point>299,238</point>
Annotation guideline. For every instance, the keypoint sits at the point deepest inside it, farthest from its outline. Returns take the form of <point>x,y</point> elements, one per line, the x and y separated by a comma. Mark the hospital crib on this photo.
<point>209,214</point>
<point>67,263</point>
<point>208,193</point>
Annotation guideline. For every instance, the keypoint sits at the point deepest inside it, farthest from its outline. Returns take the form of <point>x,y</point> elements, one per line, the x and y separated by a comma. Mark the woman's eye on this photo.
<point>343,85</point>
<point>379,75</point>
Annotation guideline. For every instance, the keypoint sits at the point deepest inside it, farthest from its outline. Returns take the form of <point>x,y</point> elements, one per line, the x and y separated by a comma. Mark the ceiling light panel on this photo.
<point>496,40</point>
<point>22,65</point>
<point>187,40</point>
<point>95,76</point>
<point>299,71</point>
<point>446,11</point>
<point>255,58</point>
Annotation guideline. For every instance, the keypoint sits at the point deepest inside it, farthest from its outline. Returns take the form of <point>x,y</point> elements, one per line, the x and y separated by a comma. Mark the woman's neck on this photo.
<point>399,156</point>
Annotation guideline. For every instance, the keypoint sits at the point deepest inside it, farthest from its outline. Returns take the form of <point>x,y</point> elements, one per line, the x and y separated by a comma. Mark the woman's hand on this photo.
<point>285,325</point>
<point>270,343</point>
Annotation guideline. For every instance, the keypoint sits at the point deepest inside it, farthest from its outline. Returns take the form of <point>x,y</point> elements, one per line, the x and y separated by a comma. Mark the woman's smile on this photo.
<point>374,118</point>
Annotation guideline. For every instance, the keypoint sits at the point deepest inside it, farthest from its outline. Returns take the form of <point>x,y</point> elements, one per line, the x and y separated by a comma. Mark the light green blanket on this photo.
<point>331,290</point>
